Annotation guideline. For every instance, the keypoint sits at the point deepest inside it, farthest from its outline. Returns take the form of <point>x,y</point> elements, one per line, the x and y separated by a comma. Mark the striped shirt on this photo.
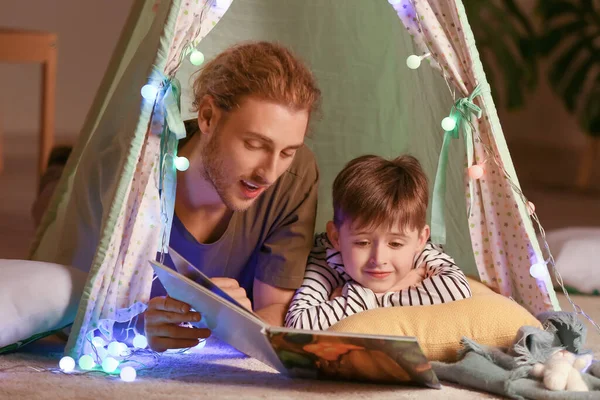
<point>312,309</point>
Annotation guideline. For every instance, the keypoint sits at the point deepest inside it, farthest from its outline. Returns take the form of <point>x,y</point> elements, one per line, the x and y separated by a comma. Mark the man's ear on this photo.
<point>208,115</point>
<point>424,236</point>
<point>333,235</point>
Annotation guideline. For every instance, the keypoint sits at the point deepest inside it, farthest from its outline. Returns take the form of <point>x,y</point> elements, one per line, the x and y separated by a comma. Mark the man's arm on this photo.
<point>271,303</point>
<point>281,260</point>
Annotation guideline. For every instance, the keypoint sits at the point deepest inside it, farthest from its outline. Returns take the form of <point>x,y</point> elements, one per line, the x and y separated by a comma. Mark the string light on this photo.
<point>114,349</point>
<point>67,364</point>
<point>128,374</point>
<point>109,365</point>
<point>86,362</point>
<point>97,341</point>
<point>223,3</point>
<point>414,61</point>
<point>102,353</point>
<point>140,341</point>
<point>448,124</point>
<point>197,58</point>
<point>182,163</point>
<point>149,92</point>
<point>539,271</point>
<point>530,208</point>
<point>475,171</point>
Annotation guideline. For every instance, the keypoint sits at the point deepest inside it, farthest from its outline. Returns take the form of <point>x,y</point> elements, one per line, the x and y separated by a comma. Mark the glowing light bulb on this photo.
<point>67,364</point>
<point>196,58</point>
<point>149,92</point>
<point>475,171</point>
<point>86,362</point>
<point>538,271</point>
<point>98,342</point>
<point>123,349</point>
<point>182,163</point>
<point>109,365</point>
<point>530,207</point>
<point>128,374</point>
<point>102,353</point>
<point>448,124</point>
<point>140,342</point>
<point>223,3</point>
<point>114,349</point>
<point>413,62</point>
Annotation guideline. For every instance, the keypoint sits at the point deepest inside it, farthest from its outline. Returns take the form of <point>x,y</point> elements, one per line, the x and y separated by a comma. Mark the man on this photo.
<point>245,209</point>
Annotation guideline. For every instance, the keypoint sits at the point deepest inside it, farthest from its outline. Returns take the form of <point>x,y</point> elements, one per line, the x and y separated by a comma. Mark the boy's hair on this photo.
<point>371,191</point>
<point>263,69</point>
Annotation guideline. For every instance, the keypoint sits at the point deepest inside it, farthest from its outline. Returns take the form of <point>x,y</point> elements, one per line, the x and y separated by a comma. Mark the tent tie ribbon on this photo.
<point>461,113</point>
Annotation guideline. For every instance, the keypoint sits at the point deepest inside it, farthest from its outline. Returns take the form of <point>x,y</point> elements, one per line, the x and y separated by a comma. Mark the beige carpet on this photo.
<point>217,371</point>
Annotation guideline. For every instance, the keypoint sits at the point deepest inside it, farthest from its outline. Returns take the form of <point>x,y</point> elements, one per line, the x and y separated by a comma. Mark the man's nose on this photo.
<point>268,171</point>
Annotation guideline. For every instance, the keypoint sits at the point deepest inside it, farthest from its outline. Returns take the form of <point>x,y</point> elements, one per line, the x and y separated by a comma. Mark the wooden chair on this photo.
<point>21,46</point>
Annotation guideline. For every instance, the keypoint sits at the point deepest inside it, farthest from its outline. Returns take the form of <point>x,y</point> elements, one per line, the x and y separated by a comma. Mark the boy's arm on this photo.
<point>311,307</point>
<point>444,282</point>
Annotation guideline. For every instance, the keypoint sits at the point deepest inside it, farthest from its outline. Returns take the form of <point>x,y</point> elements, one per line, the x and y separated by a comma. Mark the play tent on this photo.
<point>113,207</point>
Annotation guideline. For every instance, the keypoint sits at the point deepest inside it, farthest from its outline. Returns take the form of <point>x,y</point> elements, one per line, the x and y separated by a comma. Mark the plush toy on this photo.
<point>562,371</point>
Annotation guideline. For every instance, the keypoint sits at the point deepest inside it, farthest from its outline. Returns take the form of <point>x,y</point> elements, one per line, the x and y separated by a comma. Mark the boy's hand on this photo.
<point>413,278</point>
<point>337,292</point>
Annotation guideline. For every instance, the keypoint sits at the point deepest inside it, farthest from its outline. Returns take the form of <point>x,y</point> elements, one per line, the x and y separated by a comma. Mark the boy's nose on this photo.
<point>378,255</point>
<point>374,263</point>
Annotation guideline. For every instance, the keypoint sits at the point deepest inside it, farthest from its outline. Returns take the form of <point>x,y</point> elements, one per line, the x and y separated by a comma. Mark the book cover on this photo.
<point>295,352</point>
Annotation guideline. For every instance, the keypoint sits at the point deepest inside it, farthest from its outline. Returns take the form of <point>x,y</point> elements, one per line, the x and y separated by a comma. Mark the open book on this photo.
<point>295,352</point>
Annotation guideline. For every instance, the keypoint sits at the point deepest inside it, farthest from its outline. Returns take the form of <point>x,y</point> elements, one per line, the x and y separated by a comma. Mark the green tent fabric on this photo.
<point>104,221</point>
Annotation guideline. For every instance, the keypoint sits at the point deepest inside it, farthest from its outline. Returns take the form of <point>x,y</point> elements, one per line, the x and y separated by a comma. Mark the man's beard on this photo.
<point>215,172</point>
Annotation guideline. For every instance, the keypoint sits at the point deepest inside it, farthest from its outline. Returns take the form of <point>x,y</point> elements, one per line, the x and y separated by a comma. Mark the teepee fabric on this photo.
<point>502,234</point>
<point>140,218</point>
<point>113,207</point>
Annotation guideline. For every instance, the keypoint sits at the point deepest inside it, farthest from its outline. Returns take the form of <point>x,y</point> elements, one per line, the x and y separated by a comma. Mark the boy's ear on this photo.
<point>333,235</point>
<point>424,236</point>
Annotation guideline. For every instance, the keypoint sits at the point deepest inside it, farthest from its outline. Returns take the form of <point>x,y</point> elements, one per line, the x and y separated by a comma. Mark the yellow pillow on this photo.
<point>488,318</point>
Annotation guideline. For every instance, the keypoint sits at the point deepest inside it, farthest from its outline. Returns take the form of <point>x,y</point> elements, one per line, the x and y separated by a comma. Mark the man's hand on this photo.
<point>413,278</point>
<point>233,289</point>
<point>161,323</point>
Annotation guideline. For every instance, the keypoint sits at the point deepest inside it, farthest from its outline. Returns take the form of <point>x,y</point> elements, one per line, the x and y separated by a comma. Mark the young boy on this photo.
<point>376,251</point>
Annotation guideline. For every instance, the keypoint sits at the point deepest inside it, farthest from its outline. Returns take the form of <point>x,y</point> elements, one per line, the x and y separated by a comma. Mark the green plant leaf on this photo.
<point>570,39</point>
<point>508,47</point>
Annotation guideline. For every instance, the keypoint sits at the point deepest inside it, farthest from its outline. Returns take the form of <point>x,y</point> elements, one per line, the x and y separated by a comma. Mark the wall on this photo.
<point>87,33</point>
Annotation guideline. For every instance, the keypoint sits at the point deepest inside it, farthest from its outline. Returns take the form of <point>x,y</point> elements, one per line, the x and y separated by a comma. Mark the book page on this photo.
<point>354,357</point>
<point>187,269</point>
<point>228,322</point>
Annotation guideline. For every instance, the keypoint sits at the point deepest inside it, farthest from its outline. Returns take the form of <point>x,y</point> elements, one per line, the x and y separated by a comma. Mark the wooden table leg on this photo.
<point>48,107</point>
<point>1,149</point>
<point>587,162</point>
